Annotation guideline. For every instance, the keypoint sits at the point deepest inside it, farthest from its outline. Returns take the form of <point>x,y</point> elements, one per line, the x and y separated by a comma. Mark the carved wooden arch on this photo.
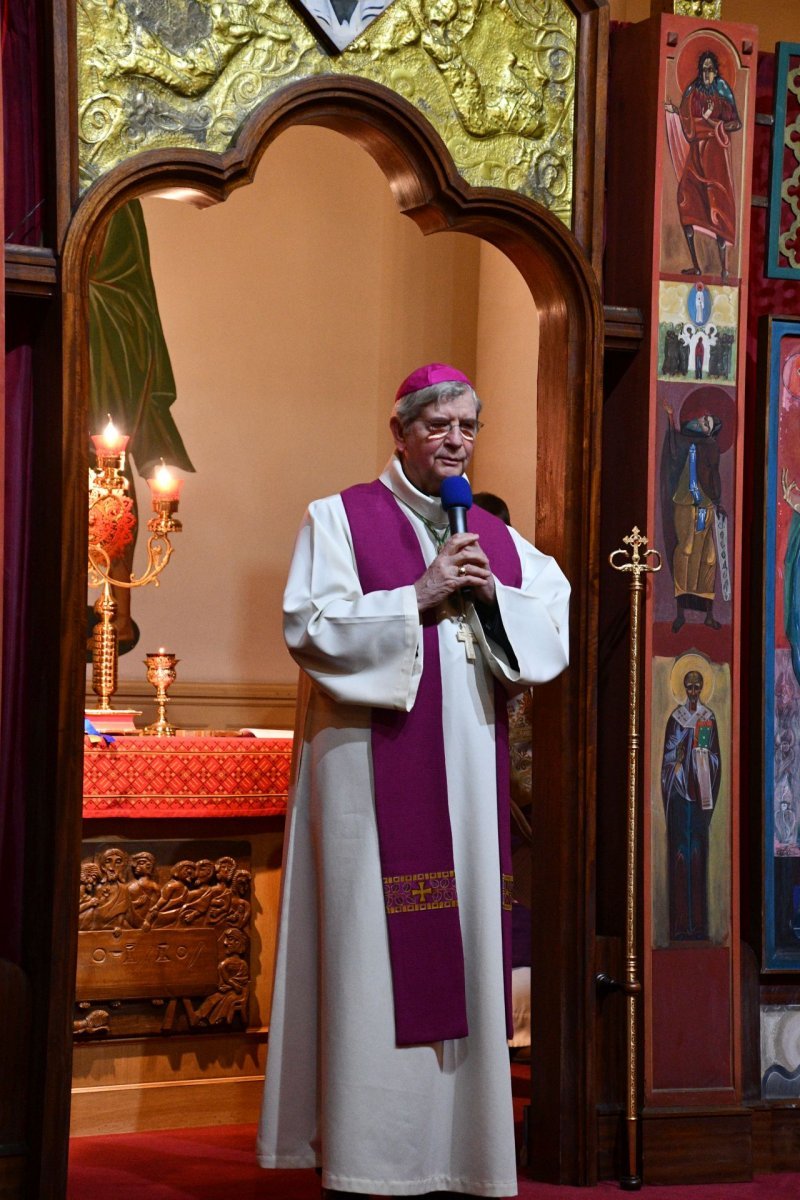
<point>427,188</point>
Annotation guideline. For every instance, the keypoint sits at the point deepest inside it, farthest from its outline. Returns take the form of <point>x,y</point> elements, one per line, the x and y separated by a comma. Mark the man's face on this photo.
<point>90,876</point>
<point>709,74</point>
<point>225,868</point>
<point>427,461</point>
<point>706,423</point>
<point>233,941</point>
<point>113,864</point>
<point>143,864</point>
<point>694,686</point>
<point>204,869</point>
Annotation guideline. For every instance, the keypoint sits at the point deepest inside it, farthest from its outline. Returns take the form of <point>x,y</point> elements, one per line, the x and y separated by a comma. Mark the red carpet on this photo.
<point>218,1163</point>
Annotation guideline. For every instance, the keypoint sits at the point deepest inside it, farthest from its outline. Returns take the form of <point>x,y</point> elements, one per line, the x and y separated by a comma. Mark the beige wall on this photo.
<point>777,20</point>
<point>291,312</point>
<point>507,361</point>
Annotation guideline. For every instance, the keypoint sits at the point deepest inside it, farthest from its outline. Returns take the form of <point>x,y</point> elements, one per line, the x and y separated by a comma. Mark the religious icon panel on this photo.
<point>704,113</point>
<point>690,829</point>
<point>697,332</point>
<point>781,749</point>
<point>694,518</point>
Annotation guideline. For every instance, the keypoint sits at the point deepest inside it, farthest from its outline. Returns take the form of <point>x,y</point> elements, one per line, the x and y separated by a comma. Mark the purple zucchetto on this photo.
<point>429,375</point>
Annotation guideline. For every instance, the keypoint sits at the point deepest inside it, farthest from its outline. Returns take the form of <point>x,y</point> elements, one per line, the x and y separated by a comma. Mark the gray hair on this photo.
<point>408,407</point>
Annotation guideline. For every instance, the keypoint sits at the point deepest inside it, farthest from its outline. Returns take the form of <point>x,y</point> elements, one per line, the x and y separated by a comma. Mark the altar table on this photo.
<point>187,776</point>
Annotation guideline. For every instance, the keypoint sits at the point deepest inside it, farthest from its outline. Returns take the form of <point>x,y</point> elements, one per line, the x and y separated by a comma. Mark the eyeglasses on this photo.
<point>437,430</point>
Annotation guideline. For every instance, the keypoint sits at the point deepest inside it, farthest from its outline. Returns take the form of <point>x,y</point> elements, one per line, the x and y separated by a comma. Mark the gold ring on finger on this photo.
<point>462,570</point>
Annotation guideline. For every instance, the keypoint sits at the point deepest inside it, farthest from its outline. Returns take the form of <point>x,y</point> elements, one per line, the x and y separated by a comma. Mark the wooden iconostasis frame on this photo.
<point>557,266</point>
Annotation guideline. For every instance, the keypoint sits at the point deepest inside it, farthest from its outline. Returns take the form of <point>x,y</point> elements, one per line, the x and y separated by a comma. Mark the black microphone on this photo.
<point>456,497</point>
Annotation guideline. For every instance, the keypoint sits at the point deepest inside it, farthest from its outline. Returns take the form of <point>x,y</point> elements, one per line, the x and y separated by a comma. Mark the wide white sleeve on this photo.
<point>359,649</point>
<point>535,618</point>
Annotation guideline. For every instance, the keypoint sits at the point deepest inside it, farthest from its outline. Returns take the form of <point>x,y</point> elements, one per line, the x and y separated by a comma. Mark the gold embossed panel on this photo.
<point>709,10</point>
<point>496,80</point>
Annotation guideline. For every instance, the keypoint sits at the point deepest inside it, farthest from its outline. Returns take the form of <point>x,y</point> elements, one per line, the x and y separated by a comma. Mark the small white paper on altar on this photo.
<point>268,733</point>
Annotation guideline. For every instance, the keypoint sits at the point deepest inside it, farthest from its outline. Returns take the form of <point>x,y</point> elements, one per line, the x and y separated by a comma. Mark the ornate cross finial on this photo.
<point>637,562</point>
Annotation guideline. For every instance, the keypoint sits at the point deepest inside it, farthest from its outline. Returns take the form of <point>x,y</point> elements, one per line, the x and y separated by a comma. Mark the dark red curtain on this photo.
<point>16,680</point>
<point>23,151</point>
<point>24,223</point>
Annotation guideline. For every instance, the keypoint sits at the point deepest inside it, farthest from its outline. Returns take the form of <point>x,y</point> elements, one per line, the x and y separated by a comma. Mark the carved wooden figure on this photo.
<point>161,945</point>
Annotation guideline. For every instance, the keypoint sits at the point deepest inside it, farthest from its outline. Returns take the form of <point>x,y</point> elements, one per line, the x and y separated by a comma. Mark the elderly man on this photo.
<point>388,1066</point>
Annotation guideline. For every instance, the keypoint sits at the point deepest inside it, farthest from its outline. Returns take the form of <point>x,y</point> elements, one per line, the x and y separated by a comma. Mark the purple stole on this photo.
<point>413,818</point>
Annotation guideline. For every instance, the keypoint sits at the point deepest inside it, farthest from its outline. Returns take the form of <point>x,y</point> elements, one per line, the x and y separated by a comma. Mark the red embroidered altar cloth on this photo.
<point>187,776</point>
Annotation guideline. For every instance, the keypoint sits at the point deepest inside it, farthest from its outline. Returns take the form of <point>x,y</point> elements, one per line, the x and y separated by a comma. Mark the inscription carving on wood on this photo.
<point>120,967</point>
<point>164,939</point>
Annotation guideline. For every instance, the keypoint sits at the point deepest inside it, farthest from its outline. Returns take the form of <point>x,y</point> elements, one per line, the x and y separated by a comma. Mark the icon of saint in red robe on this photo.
<point>699,139</point>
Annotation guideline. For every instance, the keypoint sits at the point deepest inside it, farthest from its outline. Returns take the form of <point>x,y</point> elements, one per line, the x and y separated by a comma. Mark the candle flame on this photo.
<point>164,486</point>
<point>110,433</point>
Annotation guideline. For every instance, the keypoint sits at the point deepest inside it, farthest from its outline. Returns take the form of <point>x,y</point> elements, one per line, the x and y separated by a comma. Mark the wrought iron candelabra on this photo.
<point>110,510</point>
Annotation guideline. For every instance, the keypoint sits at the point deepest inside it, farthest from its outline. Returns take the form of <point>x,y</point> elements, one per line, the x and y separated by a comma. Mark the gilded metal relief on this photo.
<point>706,10</point>
<point>162,945</point>
<point>496,80</point>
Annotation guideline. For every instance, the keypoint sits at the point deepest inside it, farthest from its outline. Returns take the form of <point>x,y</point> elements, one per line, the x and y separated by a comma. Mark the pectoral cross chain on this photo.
<point>466,636</point>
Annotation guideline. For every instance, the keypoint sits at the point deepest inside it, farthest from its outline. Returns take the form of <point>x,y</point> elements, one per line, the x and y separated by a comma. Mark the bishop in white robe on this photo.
<point>378,1117</point>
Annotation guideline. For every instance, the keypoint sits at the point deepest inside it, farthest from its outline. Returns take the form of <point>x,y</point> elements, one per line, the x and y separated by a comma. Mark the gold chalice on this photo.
<point>161,674</point>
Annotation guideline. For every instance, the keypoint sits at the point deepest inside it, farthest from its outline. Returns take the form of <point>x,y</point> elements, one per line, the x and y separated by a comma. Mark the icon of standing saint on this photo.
<point>699,131</point>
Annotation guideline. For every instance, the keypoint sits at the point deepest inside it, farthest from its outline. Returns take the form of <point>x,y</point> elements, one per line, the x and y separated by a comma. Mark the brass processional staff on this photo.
<point>637,566</point>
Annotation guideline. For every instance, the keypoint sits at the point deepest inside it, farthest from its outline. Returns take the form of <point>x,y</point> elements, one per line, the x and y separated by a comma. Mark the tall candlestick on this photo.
<point>108,484</point>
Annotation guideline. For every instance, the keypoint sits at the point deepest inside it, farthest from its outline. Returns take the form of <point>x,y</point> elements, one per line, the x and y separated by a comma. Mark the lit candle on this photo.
<point>164,485</point>
<point>110,443</point>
